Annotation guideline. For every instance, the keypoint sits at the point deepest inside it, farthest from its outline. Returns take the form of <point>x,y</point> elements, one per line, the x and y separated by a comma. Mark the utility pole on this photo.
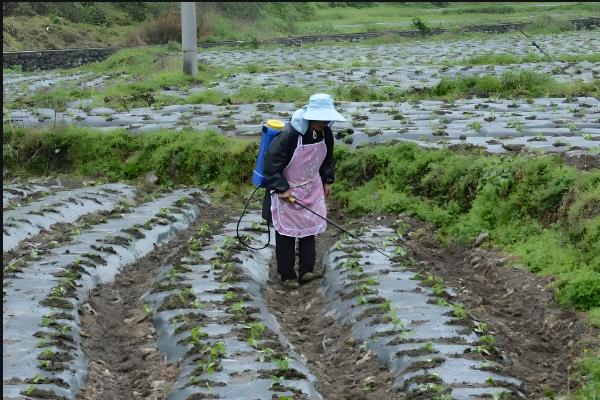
<point>188,38</point>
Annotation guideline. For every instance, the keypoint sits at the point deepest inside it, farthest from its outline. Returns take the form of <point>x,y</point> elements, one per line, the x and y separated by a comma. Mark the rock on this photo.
<point>350,342</point>
<point>501,261</point>
<point>513,147</point>
<point>151,177</point>
<point>481,238</point>
<point>365,358</point>
<point>148,350</point>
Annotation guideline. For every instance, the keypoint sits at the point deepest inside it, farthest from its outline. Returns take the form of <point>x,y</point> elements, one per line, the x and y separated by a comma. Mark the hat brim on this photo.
<point>323,114</point>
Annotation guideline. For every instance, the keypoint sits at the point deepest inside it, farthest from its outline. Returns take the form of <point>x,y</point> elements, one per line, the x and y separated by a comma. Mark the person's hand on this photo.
<point>327,190</point>
<point>286,196</point>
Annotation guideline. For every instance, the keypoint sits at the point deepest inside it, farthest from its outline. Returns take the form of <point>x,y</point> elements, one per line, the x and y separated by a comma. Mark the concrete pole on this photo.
<point>188,38</point>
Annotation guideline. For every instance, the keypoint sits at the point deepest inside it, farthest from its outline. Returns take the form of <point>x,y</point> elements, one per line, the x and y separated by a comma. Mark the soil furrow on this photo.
<point>119,338</point>
<point>342,370</point>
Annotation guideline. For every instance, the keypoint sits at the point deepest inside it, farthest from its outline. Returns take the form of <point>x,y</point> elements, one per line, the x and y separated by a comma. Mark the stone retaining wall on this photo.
<point>50,59</point>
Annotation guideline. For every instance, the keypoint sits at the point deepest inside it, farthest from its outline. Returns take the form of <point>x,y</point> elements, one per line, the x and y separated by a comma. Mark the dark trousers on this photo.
<point>285,252</point>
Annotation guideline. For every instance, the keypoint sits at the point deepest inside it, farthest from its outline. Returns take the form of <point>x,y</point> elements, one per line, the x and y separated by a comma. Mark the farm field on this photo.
<point>472,163</point>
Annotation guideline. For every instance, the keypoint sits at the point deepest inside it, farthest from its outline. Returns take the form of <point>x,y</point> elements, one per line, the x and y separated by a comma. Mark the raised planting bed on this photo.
<point>212,319</point>
<point>411,323</point>
<point>42,337</point>
<point>61,207</point>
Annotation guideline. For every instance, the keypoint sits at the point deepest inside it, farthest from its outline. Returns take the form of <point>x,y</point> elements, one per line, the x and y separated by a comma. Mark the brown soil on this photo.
<point>540,339</point>
<point>582,160</point>
<point>342,370</point>
<point>119,339</point>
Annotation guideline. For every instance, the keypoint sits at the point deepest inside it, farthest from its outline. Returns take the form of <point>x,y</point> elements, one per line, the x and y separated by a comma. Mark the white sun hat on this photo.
<point>320,108</point>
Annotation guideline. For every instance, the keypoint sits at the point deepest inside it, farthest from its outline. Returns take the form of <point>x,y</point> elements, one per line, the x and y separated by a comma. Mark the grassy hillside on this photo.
<point>51,25</point>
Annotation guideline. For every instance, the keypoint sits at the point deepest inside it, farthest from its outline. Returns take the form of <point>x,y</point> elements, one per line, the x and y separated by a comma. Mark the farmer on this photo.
<point>299,167</point>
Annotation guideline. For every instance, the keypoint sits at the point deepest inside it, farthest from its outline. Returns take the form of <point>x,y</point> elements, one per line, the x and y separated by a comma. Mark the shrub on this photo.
<point>162,29</point>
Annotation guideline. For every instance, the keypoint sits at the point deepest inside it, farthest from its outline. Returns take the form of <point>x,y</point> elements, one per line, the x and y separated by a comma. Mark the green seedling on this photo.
<point>364,289</point>
<point>185,294</point>
<point>434,387</point>
<point>230,295</point>
<point>58,291</point>
<point>228,277</point>
<point>207,366</point>
<point>407,334</point>
<point>488,339</point>
<point>438,289</point>
<point>38,378</point>
<point>230,243</point>
<point>483,350</point>
<point>42,342</point>
<point>197,304</point>
<point>363,346</point>
<point>490,381</point>
<point>202,230</point>
<point>196,335</point>
<point>481,327</point>
<point>350,265</point>
<point>257,329</point>
<point>459,311</point>
<point>277,380</point>
<point>15,265</point>
<point>47,321</point>
<point>362,300</point>
<point>395,319</point>
<point>252,341</point>
<point>489,365</point>
<point>29,390</point>
<point>34,255</point>
<point>476,126</point>
<point>572,127</point>
<point>195,244</point>
<point>587,136</point>
<point>371,281</point>
<point>44,364</point>
<point>428,347</point>
<point>218,349</point>
<point>239,309</point>
<point>386,306</point>
<point>399,251</point>
<point>266,352</point>
<point>285,398</point>
<point>283,363</point>
<point>500,395</point>
<point>47,353</point>
<point>65,330</point>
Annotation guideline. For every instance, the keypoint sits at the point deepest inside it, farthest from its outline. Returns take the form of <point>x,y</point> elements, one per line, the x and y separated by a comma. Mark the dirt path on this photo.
<point>343,371</point>
<point>120,340</point>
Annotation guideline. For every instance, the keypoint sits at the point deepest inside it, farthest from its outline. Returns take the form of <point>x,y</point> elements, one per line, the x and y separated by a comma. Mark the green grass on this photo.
<point>504,59</point>
<point>184,157</point>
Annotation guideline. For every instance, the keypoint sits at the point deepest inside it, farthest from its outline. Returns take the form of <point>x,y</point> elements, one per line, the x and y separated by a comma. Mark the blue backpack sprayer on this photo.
<point>269,131</point>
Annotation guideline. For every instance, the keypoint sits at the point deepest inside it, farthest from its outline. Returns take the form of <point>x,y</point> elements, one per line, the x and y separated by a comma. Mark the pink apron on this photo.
<point>302,173</point>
